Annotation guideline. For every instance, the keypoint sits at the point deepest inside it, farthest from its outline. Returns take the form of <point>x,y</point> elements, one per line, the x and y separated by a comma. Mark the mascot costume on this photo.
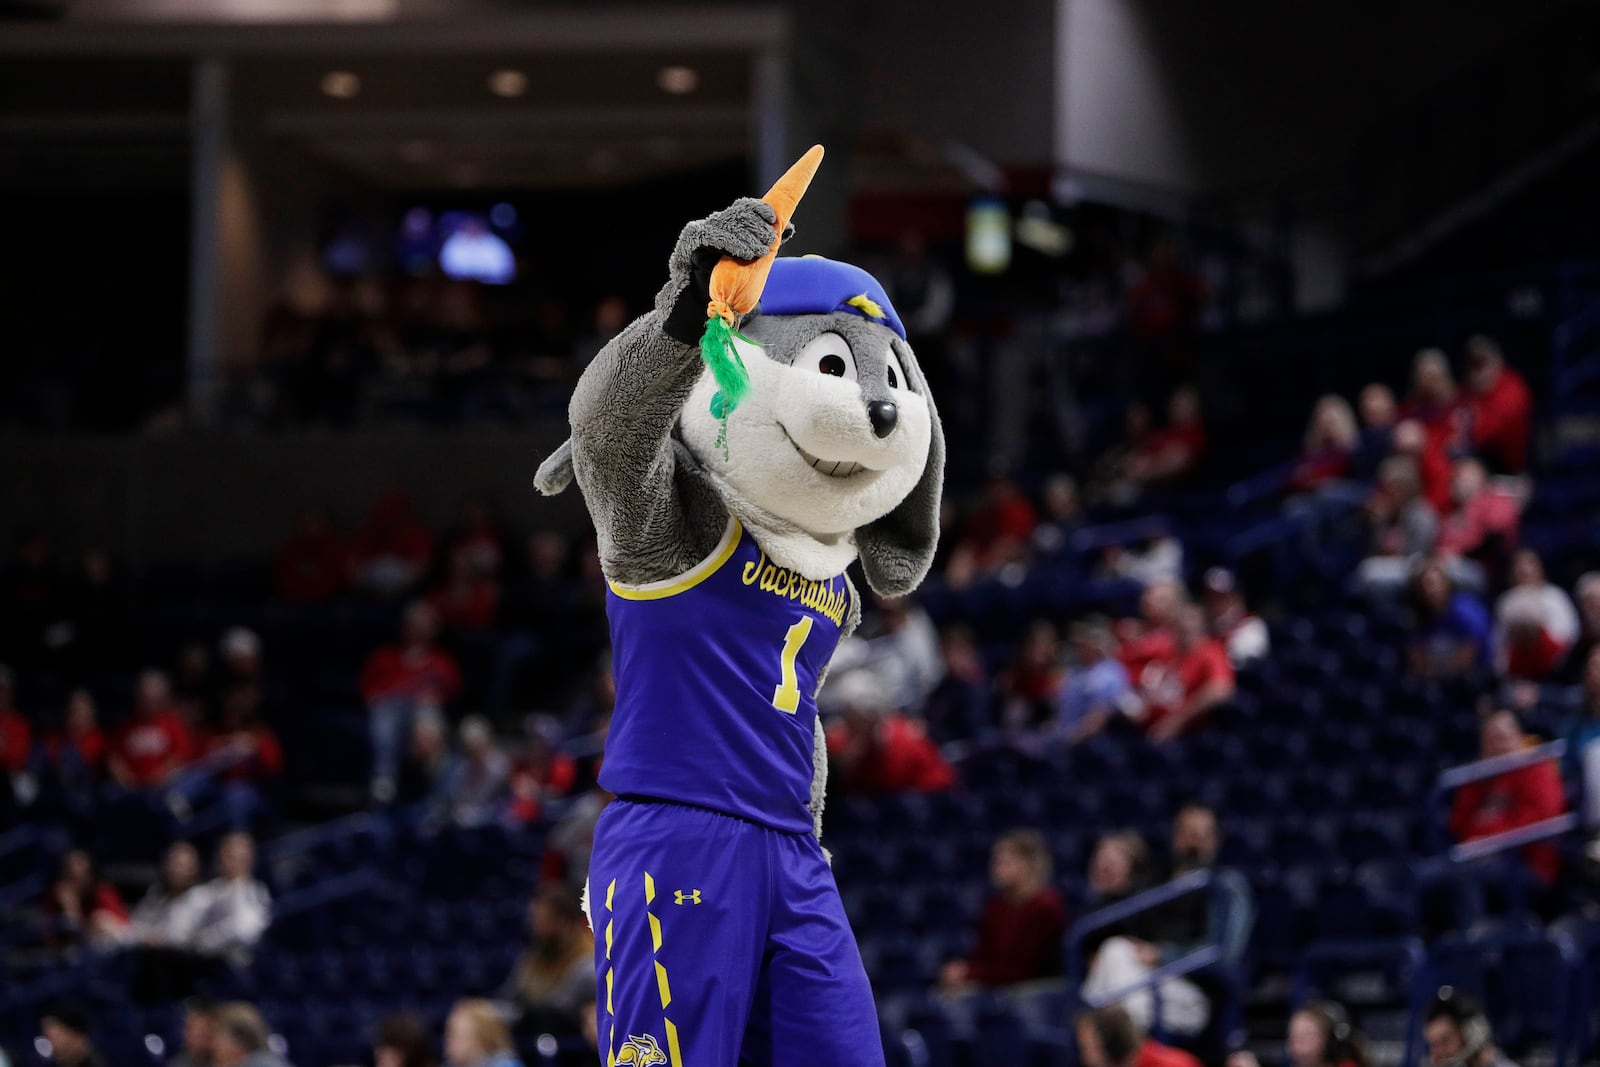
<point>729,494</point>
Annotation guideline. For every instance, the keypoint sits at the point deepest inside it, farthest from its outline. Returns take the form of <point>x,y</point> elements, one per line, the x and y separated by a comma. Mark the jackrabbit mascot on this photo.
<point>725,525</point>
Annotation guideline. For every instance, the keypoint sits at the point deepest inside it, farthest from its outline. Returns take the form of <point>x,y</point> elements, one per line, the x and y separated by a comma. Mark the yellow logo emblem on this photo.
<point>691,897</point>
<point>641,1051</point>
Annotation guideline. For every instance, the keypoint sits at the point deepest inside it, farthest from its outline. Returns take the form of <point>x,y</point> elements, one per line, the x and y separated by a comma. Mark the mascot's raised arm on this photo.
<point>728,506</point>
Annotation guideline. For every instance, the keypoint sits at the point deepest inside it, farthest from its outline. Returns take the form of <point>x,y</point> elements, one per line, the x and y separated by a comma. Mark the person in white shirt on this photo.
<point>1245,635</point>
<point>168,913</point>
<point>903,654</point>
<point>236,909</point>
<point>1533,599</point>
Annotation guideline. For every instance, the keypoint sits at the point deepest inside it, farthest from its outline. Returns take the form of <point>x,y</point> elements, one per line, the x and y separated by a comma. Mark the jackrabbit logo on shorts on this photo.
<point>641,1051</point>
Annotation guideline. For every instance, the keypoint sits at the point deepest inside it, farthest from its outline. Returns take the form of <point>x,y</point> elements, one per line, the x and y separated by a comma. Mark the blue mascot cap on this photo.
<point>812,285</point>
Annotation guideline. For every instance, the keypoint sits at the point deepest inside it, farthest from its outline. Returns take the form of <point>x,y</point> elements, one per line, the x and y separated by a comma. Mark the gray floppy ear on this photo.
<point>897,550</point>
<point>555,473</point>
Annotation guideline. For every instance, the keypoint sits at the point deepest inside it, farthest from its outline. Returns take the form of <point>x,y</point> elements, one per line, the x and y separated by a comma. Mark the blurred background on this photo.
<point>1252,711</point>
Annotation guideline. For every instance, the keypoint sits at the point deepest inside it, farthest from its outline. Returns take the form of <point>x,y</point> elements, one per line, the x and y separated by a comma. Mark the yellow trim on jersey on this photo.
<point>655,931</point>
<point>661,982</point>
<point>649,890</point>
<point>690,578</point>
<point>672,1044</point>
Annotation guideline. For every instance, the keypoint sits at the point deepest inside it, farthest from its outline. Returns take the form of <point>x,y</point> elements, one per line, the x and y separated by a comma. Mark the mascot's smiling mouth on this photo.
<point>842,468</point>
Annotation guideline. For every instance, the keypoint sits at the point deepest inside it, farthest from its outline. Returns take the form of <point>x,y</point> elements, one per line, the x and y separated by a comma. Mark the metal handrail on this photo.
<point>1542,830</point>
<point>1495,766</point>
<point>1100,918</point>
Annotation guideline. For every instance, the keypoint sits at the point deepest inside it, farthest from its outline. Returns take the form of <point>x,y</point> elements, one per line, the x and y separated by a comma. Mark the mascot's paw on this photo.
<point>743,230</point>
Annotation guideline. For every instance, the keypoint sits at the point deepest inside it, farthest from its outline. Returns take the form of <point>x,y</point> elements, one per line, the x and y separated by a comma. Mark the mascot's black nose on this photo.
<point>884,417</point>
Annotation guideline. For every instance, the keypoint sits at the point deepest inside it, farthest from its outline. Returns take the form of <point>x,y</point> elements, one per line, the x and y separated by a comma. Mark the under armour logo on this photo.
<point>691,897</point>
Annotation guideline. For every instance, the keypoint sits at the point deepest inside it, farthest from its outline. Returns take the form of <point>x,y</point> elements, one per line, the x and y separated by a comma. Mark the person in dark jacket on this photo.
<point>1019,935</point>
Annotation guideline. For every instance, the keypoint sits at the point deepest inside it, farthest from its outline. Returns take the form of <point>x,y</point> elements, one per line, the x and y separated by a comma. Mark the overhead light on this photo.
<point>508,83</point>
<point>678,80</point>
<point>341,84</point>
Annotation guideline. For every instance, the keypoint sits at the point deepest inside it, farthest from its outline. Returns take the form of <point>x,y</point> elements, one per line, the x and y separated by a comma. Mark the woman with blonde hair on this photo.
<point>1332,438</point>
<point>476,1036</point>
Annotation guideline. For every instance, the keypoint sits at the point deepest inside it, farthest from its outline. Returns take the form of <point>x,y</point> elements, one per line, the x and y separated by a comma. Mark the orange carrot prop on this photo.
<point>736,288</point>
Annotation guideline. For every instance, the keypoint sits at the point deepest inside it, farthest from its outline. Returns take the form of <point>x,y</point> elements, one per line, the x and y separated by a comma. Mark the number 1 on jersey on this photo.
<point>786,697</point>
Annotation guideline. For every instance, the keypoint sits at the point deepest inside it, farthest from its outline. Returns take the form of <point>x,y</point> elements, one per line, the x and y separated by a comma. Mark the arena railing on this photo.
<point>1208,957</point>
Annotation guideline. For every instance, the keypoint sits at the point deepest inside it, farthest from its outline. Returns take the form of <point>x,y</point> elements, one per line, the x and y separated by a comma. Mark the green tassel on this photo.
<point>716,348</point>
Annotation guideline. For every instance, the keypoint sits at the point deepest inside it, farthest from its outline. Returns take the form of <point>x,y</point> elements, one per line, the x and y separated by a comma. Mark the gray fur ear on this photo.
<point>897,550</point>
<point>555,473</point>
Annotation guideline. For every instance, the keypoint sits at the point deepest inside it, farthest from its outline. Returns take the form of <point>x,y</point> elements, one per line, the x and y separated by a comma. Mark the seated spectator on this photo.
<point>81,909</point>
<point>476,1036</point>
<point>199,1035</point>
<point>554,974</point>
<point>901,647</point>
<point>571,842</point>
<point>479,539</point>
<point>1535,622</point>
<point>73,759</point>
<point>402,1041</point>
<point>1229,620</point>
<point>236,908</point>
<point>961,705</point>
<point>1149,639</point>
<point>65,1029</point>
<point>1097,687</point>
<point>1583,742</point>
<point>1320,1035</point>
<point>1000,528</point>
<point>1330,445</point>
<point>1198,920</point>
<point>16,750</point>
<point>542,772</point>
<point>242,1039</point>
<point>1482,527</point>
<point>396,681</point>
<point>392,549</point>
<point>1433,463</point>
<point>167,914</point>
<point>1434,400</point>
<point>1020,932</point>
<point>1451,633</point>
<point>1157,559</point>
<point>1121,954</point>
<point>1062,515</point>
<point>473,790</point>
<point>1404,527</point>
<point>1032,682</point>
<point>1108,1037</point>
<point>874,749</point>
<point>426,760</point>
<point>1587,594</point>
<point>1379,415</point>
<point>1513,799</point>
<point>1458,1033</point>
<point>240,761</point>
<point>1179,692</point>
<point>468,599</point>
<point>1499,408</point>
<point>1164,456</point>
<point>150,748</point>
<point>313,562</point>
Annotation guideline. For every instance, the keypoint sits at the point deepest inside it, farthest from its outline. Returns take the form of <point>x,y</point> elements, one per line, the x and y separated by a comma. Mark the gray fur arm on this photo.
<point>819,750</point>
<point>628,402</point>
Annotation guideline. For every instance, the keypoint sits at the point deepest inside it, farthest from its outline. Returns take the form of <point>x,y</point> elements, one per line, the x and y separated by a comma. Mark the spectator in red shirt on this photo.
<point>1172,452</point>
<point>1411,439</point>
<point>397,680</point>
<point>74,757</point>
<point>1536,623</point>
<point>1163,308</point>
<point>1149,639</point>
<point>543,772</point>
<point>1483,527</point>
<point>1031,683</point>
<point>312,562</point>
<point>1435,401</point>
<point>392,549</point>
<point>82,908</point>
<point>1499,408</point>
<point>1019,935</point>
<point>1179,692</point>
<point>999,530</point>
<point>155,743</point>
<point>1330,444</point>
<point>1108,1037</point>
<point>469,596</point>
<point>1514,799</point>
<point>874,749</point>
<point>16,736</point>
<point>479,539</point>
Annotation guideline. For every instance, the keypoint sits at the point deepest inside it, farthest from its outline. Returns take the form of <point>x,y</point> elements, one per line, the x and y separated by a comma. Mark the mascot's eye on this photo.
<point>895,374</point>
<point>828,354</point>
